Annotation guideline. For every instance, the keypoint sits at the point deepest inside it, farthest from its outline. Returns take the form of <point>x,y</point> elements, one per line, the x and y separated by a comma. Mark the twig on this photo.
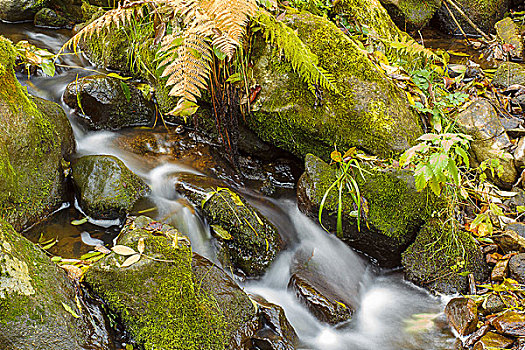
<point>456,21</point>
<point>476,28</point>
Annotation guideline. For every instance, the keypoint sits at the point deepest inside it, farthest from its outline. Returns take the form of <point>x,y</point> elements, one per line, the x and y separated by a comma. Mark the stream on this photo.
<point>392,313</point>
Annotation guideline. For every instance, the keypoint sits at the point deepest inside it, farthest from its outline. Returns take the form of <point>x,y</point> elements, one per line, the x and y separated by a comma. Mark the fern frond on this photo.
<point>187,61</point>
<point>410,47</point>
<point>304,62</point>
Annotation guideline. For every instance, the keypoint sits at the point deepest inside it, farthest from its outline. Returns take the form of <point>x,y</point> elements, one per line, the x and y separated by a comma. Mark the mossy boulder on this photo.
<point>19,10</point>
<point>440,259</point>
<point>47,17</point>
<point>175,301</point>
<point>508,32</point>
<point>484,13</point>
<point>509,73</point>
<point>247,240</point>
<point>490,141</point>
<point>393,211</point>
<point>107,189</point>
<point>411,14</point>
<point>370,112</point>
<point>34,294</point>
<point>35,138</point>
<point>103,102</point>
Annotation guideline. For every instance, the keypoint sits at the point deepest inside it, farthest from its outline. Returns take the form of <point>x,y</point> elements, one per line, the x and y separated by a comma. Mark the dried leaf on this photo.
<point>131,260</point>
<point>79,222</point>
<point>123,250</point>
<point>221,232</point>
<point>141,245</point>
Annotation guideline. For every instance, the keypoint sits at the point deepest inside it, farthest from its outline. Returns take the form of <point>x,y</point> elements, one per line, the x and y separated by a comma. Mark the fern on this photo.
<point>303,60</point>
<point>407,46</point>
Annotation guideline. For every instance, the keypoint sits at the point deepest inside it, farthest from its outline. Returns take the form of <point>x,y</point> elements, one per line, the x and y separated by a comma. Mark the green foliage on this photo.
<point>302,59</point>
<point>32,56</point>
<point>436,159</point>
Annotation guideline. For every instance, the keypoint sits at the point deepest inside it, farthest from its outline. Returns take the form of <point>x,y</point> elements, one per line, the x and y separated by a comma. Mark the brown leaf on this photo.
<point>123,250</point>
<point>141,245</point>
<point>131,260</point>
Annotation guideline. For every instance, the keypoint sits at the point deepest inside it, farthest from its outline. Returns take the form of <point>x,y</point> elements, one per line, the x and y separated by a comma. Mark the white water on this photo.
<point>387,304</point>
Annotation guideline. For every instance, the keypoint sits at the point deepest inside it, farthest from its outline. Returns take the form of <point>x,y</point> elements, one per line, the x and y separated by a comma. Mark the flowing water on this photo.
<point>392,313</point>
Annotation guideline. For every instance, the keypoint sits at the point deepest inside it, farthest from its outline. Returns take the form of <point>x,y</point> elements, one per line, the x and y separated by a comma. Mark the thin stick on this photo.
<point>456,21</point>
<point>476,28</point>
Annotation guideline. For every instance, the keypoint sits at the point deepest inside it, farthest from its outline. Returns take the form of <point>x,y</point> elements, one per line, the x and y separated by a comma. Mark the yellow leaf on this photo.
<point>123,250</point>
<point>141,245</point>
<point>131,260</point>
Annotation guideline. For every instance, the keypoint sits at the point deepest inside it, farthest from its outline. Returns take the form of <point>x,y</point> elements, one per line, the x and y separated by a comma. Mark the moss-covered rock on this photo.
<point>19,10</point>
<point>47,17</point>
<point>411,14</point>
<point>174,302</point>
<point>440,259</point>
<point>107,189</point>
<point>394,209</point>
<point>509,33</point>
<point>370,112</point>
<point>34,139</point>
<point>34,294</point>
<point>102,102</point>
<point>248,242</point>
<point>484,13</point>
<point>509,73</point>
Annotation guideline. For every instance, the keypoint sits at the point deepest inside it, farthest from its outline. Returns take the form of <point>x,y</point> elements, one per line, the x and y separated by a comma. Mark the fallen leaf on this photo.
<point>123,250</point>
<point>131,260</point>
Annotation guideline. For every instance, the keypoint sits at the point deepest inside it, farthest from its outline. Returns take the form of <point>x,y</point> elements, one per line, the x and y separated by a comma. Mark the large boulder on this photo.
<point>440,259</point>
<point>484,13</point>
<point>411,14</point>
<point>34,139</point>
<point>107,189</point>
<point>171,299</point>
<point>247,241</point>
<point>393,214</point>
<point>19,10</point>
<point>103,102</point>
<point>37,302</point>
<point>370,112</point>
<point>481,121</point>
<point>509,73</point>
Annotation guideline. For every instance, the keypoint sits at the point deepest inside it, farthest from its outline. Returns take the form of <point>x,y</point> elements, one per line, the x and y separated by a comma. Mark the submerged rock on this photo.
<point>370,112</point>
<point>107,189</point>
<point>247,240</point>
<point>35,296</point>
<point>171,298</point>
<point>35,137</point>
<point>394,209</point>
<point>19,10</point>
<point>484,13</point>
<point>438,261</point>
<point>411,14</point>
<point>102,102</point>
<point>462,315</point>
<point>480,120</point>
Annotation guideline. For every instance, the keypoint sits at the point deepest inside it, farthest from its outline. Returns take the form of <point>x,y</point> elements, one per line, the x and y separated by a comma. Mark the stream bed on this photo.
<point>392,313</point>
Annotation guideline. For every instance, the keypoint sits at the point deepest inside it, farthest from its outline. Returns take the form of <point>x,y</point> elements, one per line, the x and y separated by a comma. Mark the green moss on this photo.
<point>370,113</point>
<point>509,73</point>
<point>160,302</point>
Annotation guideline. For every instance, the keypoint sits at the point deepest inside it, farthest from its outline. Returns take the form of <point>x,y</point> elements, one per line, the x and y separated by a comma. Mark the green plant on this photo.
<point>31,56</point>
<point>348,167</point>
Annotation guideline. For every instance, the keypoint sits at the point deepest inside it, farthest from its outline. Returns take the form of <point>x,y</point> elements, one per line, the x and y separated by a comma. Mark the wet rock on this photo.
<point>510,241</point>
<point>493,340</point>
<point>274,330</point>
<point>480,120</point>
<point>34,294</point>
<point>499,272</point>
<point>511,323</point>
<point>509,73</point>
<point>438,261</point>
<point>462,315</point>
<point>395,210</point>
<point>47,17</point>
<point>493,305</point>
<point>19,10</point>
<point>474,337</point>
<point>107,189</point>
<point>178,303</point>
<point>517,267</point>
<point>326,284</point>
<point>509,33</point>
<point>35,137</point>
<point>519,152</point>
<point>411,14</point>
<point>109,103</point>
<point>370,113</point>
<point>484,13</point>
<point>247,240</point>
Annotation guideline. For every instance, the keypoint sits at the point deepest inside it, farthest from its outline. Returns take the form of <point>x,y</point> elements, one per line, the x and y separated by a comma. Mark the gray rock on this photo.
<point>19,10</point>
<point>104,105</point>
<point>519,153</point>
<point>34,293</point>
<point>107,189</point>
<point>411,14</point>
<point>394,209</point>
<point>480,120</point>
<point>35,137</point>
<point>517,267</point>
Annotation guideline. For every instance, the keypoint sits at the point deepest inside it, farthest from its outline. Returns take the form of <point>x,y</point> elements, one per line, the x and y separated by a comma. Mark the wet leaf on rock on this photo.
<point>221,232</point>
<point>123,250</point>
<point>70,310</point>
<point>131,260</point>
